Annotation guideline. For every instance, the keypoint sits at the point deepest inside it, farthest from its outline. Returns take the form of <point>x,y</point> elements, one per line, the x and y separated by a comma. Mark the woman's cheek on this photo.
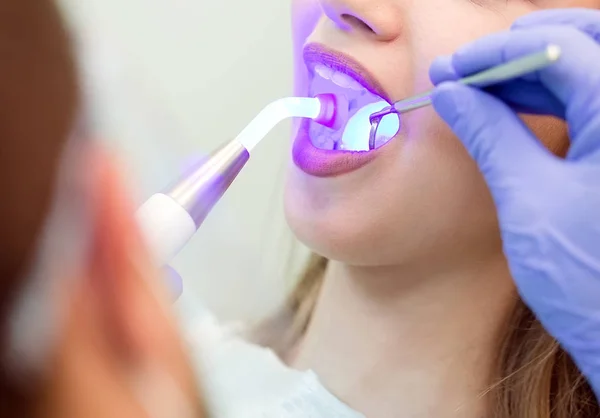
<point>305,16</point>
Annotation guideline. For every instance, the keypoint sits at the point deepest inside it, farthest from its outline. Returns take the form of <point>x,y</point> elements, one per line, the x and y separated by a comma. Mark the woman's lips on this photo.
<point>314,53</point>
<point>328,163</point>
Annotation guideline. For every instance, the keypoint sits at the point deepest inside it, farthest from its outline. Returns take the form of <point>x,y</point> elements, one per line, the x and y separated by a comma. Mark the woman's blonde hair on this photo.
<point>535,378</point>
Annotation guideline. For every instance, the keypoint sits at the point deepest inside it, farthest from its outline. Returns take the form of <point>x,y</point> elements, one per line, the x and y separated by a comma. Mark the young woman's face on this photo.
<point>419,195</point>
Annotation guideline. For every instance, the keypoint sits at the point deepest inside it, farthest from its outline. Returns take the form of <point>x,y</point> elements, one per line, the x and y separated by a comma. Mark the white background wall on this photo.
<point>168,81</point>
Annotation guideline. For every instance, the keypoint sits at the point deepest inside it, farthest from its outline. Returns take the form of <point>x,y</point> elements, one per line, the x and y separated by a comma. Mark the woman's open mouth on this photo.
<point>322,151</point>
<point>354,133</point>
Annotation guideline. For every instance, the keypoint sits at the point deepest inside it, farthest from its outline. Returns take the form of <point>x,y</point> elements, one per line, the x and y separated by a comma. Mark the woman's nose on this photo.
<point>378,18</point>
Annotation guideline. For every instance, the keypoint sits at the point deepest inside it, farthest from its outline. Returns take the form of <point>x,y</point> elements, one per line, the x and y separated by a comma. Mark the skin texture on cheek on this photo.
<point>305,16</point>
<point>553,133</point>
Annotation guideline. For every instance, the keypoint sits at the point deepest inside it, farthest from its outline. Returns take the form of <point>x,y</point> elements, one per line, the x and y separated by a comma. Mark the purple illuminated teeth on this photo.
<point>328,81</point>
<point>340,79</point>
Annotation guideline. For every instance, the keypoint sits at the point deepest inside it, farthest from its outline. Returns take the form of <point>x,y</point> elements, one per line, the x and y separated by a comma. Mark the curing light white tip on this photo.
<point>322,108</point>
<point>169,219</point>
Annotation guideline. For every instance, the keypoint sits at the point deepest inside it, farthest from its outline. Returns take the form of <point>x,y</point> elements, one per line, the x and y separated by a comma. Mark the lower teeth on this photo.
<point>324,142</point>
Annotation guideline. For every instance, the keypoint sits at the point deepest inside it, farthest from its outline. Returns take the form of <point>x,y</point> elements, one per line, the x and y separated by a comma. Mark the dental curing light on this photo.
<point>169,219</point>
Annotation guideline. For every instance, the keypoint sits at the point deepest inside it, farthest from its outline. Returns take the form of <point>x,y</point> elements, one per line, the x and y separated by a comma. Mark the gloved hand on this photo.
<point>548,208</point>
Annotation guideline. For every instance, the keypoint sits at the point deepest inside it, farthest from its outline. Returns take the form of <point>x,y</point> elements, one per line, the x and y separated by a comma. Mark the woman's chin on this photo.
<point>335,231</point>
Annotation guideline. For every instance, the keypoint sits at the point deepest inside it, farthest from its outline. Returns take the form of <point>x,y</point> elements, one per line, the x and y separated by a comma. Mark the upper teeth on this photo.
<point>338,78</point>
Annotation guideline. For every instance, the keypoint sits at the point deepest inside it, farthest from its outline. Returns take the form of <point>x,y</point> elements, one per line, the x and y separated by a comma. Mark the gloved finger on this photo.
<point>503,147</point>
<point>521,95</point>
<point>580,57</point>
<point>574,79</point>
<point>173,281</point>
<point>585,20</point>
<point>441,69</point>
<point>586,141</point>
<point>528,97</point>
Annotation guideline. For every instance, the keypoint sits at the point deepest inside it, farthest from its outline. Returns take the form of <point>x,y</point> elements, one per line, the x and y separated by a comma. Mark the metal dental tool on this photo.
<point>504,72</point>
<point>169,219</point>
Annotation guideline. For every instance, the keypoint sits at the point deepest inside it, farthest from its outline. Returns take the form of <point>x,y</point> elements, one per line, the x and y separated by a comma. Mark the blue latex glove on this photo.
<point>548,208</point>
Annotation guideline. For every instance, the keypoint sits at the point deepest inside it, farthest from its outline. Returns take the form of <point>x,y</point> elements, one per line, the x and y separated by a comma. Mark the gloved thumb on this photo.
<point>503,147</point>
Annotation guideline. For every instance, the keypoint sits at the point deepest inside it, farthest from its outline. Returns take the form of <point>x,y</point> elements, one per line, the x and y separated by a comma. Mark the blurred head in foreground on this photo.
<point>85,325</point>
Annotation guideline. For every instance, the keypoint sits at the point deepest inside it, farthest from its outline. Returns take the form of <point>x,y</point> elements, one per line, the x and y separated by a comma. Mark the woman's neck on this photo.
<point>392,342</point>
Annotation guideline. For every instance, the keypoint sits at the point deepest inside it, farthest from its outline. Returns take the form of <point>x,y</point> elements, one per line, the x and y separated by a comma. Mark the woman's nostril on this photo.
<point>357,23</point>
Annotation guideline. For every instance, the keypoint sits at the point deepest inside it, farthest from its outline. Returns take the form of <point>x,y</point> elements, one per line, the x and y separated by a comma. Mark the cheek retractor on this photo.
<point>169,219</point>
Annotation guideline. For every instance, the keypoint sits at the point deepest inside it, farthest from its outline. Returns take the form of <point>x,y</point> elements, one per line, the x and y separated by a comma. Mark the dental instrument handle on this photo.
<point>169,219</point>
<point>503,72</point>
<point>500,73</point>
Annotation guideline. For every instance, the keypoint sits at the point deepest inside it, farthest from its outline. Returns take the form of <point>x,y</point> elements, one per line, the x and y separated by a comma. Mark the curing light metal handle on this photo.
<point>498,74</point>
<point>169,219</point>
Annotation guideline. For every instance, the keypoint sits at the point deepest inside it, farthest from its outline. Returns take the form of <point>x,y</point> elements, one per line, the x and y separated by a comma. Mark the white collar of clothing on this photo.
<point>244,380</point>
